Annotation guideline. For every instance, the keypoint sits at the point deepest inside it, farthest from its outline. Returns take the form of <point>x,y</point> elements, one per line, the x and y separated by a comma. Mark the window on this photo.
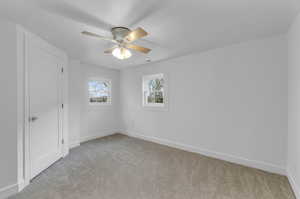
<point>99,91</point>
<point>154,90</point>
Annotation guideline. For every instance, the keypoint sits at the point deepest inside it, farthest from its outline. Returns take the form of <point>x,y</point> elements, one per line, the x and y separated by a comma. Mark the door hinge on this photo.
<point>62,105</point>
<point>62,70</point>
<point>62,141</point>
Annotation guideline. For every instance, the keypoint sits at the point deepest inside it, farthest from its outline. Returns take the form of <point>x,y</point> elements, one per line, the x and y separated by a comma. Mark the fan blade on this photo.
<point>136,34</point>
<point>138,48</point>
<point>98,36</point>
<point>109,51</point>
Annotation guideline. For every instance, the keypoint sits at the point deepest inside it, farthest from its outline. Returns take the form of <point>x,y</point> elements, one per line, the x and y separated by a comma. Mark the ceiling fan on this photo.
<point>123,38</point>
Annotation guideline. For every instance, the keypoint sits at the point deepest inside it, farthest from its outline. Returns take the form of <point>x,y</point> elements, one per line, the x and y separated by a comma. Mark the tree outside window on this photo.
<point>99,91</point>
<point>153,89</point>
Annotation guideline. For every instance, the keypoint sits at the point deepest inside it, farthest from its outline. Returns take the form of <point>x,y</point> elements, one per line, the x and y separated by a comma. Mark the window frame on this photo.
<point>109,102</point>
<point>160,106</point>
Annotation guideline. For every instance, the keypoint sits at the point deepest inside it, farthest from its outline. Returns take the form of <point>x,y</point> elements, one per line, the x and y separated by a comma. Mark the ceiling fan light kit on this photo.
<point>121,53</point>
<point>123,37</point>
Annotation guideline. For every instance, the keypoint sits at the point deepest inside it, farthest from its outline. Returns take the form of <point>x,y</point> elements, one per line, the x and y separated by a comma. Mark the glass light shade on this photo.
<point>121,53</point>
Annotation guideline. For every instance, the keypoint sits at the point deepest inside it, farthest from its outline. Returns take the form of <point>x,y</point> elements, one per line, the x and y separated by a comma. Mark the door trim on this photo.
<point>23,39</point>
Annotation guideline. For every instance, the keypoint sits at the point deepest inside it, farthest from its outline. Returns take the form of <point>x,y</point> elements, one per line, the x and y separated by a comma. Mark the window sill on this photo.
<point>155,107</point>
<point>99,104</point>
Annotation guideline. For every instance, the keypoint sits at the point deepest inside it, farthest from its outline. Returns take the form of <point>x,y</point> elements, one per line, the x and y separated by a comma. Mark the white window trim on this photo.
<point>109,103</point>
<point>155,106</point>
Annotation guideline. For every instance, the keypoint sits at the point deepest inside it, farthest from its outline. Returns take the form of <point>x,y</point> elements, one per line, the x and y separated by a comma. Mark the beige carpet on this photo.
<point>120,167</point>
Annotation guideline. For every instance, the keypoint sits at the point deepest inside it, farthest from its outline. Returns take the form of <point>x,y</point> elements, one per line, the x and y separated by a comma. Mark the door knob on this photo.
<point>33,119</point>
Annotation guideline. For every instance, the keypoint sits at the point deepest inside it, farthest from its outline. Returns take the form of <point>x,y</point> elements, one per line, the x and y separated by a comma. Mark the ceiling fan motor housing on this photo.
<point>123,38</point>
<point>119,33</point>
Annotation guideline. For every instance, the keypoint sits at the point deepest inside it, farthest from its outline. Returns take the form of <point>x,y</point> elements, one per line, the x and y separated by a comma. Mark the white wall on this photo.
<point>8,105</point>
<point>293,164</point>
<point>85,121</point>
<point>229,103</point>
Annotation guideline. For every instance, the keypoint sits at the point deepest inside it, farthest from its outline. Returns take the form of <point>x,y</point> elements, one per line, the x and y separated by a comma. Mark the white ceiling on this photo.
<point>175,27</point>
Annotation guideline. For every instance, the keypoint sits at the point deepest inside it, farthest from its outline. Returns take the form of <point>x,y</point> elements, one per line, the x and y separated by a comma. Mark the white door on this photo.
<point>44,84</point>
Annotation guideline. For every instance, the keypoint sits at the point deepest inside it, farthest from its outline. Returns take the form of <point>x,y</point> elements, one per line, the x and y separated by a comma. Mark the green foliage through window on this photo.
<point>99,91</point>
<point>154,89</point>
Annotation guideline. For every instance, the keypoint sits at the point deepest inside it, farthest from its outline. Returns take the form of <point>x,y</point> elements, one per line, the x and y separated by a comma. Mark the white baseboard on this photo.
<point>7,191</point>
<point>74,144</point>
<point>97,135</point>
<point>294,186</point>
<point>227,157</point>
<point>21,185</point>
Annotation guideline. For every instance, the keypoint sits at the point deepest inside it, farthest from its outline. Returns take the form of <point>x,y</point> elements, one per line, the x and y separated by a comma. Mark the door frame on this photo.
<point>23,39</point>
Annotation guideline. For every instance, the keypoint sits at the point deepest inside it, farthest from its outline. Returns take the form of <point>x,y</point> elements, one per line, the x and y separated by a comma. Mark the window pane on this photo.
<point>153,86</point>
<point>99,91</point>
